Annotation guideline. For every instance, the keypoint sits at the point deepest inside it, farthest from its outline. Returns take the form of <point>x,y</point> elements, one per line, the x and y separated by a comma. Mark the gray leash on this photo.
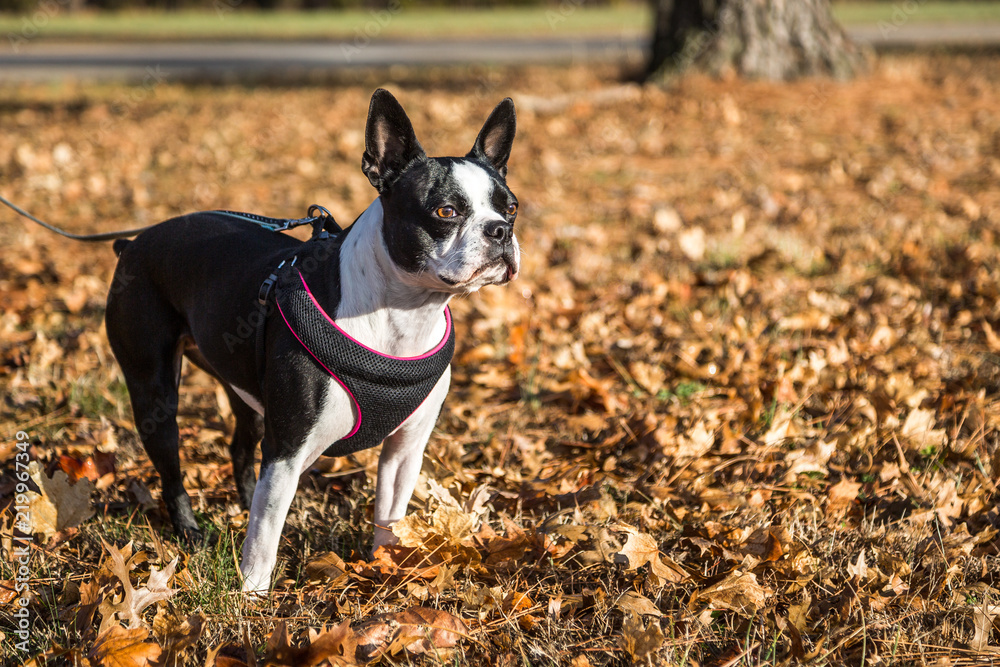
<point>319,217</point>
<point>106,236</point>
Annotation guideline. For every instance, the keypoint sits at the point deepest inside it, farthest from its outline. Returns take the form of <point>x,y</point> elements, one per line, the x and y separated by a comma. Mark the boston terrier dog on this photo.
<point>353,338</point>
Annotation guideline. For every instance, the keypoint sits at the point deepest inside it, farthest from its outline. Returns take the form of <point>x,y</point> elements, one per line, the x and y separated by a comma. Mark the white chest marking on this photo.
<point>335,419</point>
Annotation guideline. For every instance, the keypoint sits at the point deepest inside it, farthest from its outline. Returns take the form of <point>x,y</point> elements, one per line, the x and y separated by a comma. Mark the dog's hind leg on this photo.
<point>249,430</point>
<point>148,348</point>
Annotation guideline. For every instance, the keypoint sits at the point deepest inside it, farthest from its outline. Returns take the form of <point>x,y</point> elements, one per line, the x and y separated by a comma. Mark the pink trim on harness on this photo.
<point>435,350</point>
<point>357,406</point>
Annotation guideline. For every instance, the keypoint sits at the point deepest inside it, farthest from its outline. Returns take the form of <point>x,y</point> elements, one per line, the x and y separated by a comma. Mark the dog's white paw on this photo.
<point>258,586</point>
<point>383,537</point>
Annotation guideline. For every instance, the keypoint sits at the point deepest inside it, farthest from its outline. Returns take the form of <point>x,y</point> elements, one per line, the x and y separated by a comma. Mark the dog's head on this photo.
<point>448,222</point>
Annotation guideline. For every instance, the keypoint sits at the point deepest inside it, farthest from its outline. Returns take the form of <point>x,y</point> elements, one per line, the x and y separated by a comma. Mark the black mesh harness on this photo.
<point>385,389</point>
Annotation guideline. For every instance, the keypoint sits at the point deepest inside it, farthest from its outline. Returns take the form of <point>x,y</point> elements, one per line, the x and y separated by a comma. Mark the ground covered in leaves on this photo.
<point>740,408</point>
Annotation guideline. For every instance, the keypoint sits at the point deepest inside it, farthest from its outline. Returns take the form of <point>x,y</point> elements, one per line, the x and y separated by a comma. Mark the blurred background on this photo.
<point>321,36</point>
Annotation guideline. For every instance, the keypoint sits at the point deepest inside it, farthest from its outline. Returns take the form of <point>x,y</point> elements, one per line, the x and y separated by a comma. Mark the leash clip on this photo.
<point>323,221</point>
<point>265,287</point>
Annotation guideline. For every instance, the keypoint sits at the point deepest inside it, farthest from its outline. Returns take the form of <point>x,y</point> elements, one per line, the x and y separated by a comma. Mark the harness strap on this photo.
<point>266,301</point>
<point>264,295</point>
<point>259,346</point>
<point>322,224</point>
<point>320,218</point>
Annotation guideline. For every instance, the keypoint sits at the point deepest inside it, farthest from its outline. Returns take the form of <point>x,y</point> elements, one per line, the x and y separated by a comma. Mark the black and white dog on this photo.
<point>369,304</point>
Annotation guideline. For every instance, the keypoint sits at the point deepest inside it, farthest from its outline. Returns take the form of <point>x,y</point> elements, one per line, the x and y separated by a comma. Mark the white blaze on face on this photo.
<point>478,187</point>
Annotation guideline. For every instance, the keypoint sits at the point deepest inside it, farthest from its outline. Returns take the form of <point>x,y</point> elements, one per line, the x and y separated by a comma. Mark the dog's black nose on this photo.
<point>500,231</point>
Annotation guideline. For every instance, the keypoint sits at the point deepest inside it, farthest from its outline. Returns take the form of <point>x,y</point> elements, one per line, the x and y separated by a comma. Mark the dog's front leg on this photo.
<point>271,499</point>
<point>399,463</point>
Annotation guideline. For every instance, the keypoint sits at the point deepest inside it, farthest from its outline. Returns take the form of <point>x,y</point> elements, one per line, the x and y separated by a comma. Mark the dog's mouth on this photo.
<point>510,272</point>
<point>498,270</point>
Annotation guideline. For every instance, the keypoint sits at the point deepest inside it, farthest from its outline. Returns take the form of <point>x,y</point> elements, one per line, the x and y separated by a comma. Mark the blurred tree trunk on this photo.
<point>766,39</point>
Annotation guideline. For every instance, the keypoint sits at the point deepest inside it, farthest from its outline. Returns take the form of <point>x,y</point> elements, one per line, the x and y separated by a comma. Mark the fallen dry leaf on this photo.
<point>134,600</point>
<point>124,647</point>
<point>641,548</point>
<point>327,568</point>
<point>61,504</point>
<point>918,430</point>
<point>841,496</point>
<point>447,534</point>
<point>859,569</point>
<point>739,592</point>
<point>766,543</point>
<point>336,647</point>
<point>447,524</point>
<point>99,468</point>
<point>417,630</point>
<point>633,603</point>
<point>177,635</point>
<point>638,640</point>
<point>509,547</point>
<point>8,591</point>
<point>140,493</point>
<point>982,617</point>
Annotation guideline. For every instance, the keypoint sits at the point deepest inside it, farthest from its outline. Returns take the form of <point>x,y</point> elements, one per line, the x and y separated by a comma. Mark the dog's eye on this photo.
<point>446,212</point>
<point>512,209</point>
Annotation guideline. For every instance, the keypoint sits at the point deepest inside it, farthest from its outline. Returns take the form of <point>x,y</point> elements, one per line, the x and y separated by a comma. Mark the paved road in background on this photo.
<point>231,60</point>
<point>235,59</point>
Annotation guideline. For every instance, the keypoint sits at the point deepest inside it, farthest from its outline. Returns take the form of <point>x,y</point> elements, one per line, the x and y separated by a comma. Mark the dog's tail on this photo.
<point>119,245</point>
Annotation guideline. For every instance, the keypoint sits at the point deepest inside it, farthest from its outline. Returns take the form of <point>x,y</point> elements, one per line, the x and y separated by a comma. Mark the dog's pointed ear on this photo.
<point>497,136</point>
<point>390,144</point>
